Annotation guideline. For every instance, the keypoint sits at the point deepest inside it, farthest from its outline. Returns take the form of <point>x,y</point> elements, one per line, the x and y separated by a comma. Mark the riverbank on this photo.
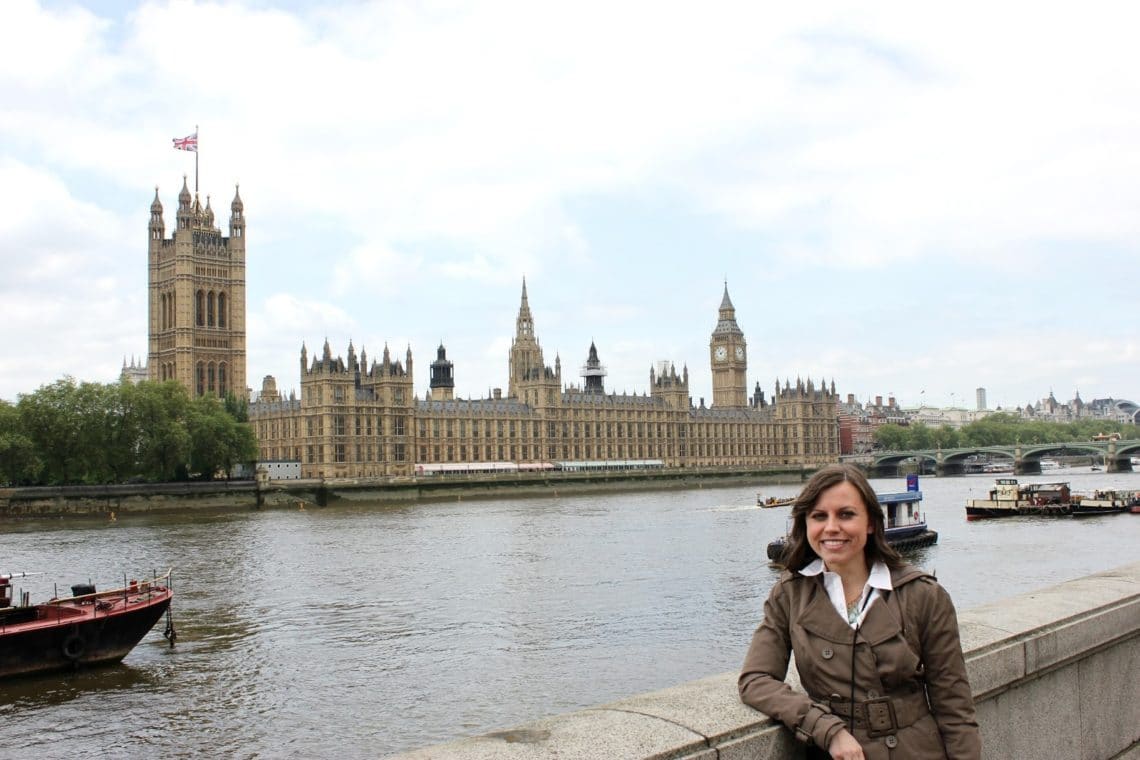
<point>114,501</point>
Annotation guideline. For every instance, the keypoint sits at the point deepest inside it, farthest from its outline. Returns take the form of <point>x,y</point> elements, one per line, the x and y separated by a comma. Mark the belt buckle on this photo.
<point>880,717</point>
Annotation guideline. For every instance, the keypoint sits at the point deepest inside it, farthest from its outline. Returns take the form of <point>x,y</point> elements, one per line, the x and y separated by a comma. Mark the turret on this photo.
<point>237,216</point>
<point>157,227</point>
<point>184,210</point>
<point>442,383</point>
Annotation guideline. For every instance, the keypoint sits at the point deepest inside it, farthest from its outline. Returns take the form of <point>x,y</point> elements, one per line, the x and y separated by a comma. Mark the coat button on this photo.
<point>828,654</point>
<point>891,741</point>
<point>872,694</point>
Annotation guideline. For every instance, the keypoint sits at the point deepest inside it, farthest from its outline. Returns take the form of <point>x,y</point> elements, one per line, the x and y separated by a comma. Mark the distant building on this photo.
<point>360,419</point>
<point>981,399</point>
<point>858,422</point>
<point>133,373</point>
<point>953,417</point>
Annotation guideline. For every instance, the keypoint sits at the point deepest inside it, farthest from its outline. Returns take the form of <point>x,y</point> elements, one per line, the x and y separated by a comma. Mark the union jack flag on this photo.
<point>189,142</point>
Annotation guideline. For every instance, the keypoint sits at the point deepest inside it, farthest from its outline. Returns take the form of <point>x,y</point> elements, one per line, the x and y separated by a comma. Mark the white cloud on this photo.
<point>400,155</point>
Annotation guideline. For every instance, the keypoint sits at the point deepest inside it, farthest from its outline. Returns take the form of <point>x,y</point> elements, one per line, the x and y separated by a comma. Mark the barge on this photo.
<point>85,629</point>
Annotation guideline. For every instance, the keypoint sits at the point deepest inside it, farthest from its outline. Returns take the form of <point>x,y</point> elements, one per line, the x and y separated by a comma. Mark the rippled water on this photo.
<point>363,629</point>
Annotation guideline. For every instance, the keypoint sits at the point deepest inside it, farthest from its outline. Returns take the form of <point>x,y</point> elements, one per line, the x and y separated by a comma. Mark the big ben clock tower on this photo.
<point>728,355</point>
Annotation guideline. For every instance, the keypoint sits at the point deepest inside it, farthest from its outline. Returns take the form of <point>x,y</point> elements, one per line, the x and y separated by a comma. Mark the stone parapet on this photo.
<point>1055,672</point>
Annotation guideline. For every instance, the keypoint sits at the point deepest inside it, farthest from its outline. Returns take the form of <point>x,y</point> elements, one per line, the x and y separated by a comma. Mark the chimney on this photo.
<point>891,402</point>
<point>850,398</point>
<point>497,393</point>
<point>878,400</point>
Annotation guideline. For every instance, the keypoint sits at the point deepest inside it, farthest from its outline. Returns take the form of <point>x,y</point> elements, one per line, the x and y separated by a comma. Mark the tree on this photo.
<point>159,412</point>
<point>217,440</point>
<point>19,462</point>
<point>891,438</point>
<point>52,418</point>
<point>946,437</point>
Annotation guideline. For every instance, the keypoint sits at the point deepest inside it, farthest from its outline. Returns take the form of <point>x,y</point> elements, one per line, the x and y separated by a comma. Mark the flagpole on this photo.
<point>196,161</point>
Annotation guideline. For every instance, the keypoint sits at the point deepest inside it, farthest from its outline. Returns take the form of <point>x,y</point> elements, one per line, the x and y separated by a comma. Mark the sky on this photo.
<point>906,200</point>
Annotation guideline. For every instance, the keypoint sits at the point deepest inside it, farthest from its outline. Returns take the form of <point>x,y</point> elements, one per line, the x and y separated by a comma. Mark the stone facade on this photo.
<point>197,298</point>
<point>361,419</point>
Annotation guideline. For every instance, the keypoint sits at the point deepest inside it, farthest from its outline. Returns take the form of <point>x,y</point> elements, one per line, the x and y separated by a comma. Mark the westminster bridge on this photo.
<point>1025,458</point>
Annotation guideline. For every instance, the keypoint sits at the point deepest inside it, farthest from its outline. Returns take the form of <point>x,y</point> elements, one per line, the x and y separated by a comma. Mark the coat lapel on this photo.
<point>881,622</point>
<point>820,618</point>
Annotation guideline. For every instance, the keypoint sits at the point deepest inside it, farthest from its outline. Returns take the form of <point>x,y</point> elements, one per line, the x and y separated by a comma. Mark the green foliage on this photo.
<point>217,440</point>
<point>69,432</point>
<point>18,460</point>
<point>998,429</point>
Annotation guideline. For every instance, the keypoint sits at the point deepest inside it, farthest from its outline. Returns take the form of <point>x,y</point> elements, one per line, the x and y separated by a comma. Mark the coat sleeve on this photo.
<point>947,686</point>
<point>762,684</point>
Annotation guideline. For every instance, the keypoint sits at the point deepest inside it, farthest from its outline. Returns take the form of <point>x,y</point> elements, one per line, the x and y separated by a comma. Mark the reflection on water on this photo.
<point>364,629</point>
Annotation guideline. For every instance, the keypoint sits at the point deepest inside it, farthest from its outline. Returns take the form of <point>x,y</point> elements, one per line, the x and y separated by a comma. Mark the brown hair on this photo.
<point>799,553</point>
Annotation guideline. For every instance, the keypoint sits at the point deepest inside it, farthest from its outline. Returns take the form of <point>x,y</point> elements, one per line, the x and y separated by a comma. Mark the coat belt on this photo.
<point>884,715</point>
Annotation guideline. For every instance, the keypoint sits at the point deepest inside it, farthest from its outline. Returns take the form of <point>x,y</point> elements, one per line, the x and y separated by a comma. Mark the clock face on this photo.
<point>740,352</point>
<point>721,353</point>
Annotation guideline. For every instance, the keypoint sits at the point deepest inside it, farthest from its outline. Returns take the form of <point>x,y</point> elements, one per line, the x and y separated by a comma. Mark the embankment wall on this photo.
<point>234,495</point>
<point>1055,673</point>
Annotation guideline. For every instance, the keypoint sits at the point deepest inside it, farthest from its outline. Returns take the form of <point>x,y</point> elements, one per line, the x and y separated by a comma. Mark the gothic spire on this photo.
<point>524,325</point>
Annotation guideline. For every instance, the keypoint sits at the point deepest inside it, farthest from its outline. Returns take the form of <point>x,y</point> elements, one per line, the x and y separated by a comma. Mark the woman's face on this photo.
<point>838,526</point>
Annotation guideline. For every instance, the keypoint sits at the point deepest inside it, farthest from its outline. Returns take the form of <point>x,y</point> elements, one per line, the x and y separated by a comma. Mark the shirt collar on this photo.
<point>879,578</point>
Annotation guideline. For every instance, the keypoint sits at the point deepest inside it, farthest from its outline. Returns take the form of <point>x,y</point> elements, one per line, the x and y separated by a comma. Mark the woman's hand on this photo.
<point>844,747</point>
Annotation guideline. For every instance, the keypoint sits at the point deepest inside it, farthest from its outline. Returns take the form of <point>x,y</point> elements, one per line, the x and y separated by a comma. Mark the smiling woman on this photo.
<point>876,640</point>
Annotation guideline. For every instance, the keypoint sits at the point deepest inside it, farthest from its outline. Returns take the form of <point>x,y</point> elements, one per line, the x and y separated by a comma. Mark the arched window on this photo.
<point>210,309</point>
<point>170,311</point>
<point>200,309</point>
<point>222,387</point>
<point>201,378</point>
<point>221,309</point>
<point>210,377</point>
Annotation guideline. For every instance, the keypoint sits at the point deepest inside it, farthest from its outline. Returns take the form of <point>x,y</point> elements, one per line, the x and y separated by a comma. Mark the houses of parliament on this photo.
<point>361,417</point>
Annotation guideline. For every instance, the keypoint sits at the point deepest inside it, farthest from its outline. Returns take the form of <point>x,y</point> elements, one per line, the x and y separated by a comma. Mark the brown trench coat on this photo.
<point>908,641</point>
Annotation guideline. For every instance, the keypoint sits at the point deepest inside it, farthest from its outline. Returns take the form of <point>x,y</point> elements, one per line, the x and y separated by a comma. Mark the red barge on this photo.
<point>86,629</point>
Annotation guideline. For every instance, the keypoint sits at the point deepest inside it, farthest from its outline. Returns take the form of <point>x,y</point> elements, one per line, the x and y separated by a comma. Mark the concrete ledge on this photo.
<point>1055,672</point>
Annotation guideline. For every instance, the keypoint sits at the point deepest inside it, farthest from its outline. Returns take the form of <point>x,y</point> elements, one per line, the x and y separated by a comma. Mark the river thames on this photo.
<point>364,629</point>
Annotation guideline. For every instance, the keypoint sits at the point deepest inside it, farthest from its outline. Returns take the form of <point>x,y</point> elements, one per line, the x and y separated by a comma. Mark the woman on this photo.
<point>876,640</point>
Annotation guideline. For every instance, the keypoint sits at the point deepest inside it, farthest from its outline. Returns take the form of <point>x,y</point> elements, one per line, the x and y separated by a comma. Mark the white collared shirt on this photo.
<point>877,582</point>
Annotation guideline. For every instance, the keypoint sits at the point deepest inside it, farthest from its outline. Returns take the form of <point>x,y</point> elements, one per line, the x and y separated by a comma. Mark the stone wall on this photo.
<point>1055,672</point>
<point>101,501</point>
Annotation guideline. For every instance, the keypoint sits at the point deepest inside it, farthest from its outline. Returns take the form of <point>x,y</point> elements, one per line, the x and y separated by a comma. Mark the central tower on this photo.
<point>526,354</point>
<point>728,355</point>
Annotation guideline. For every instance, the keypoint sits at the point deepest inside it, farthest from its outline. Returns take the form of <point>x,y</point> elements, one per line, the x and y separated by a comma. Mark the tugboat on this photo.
<point>88,628</point>
<point>905,527</point>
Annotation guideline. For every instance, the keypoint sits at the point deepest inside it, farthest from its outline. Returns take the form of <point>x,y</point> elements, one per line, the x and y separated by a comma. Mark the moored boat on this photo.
<point>905,527</point>
<point>86,629</point>
<point>774,501</point>
<point>1008,498</point>
<point>1104,502</point>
